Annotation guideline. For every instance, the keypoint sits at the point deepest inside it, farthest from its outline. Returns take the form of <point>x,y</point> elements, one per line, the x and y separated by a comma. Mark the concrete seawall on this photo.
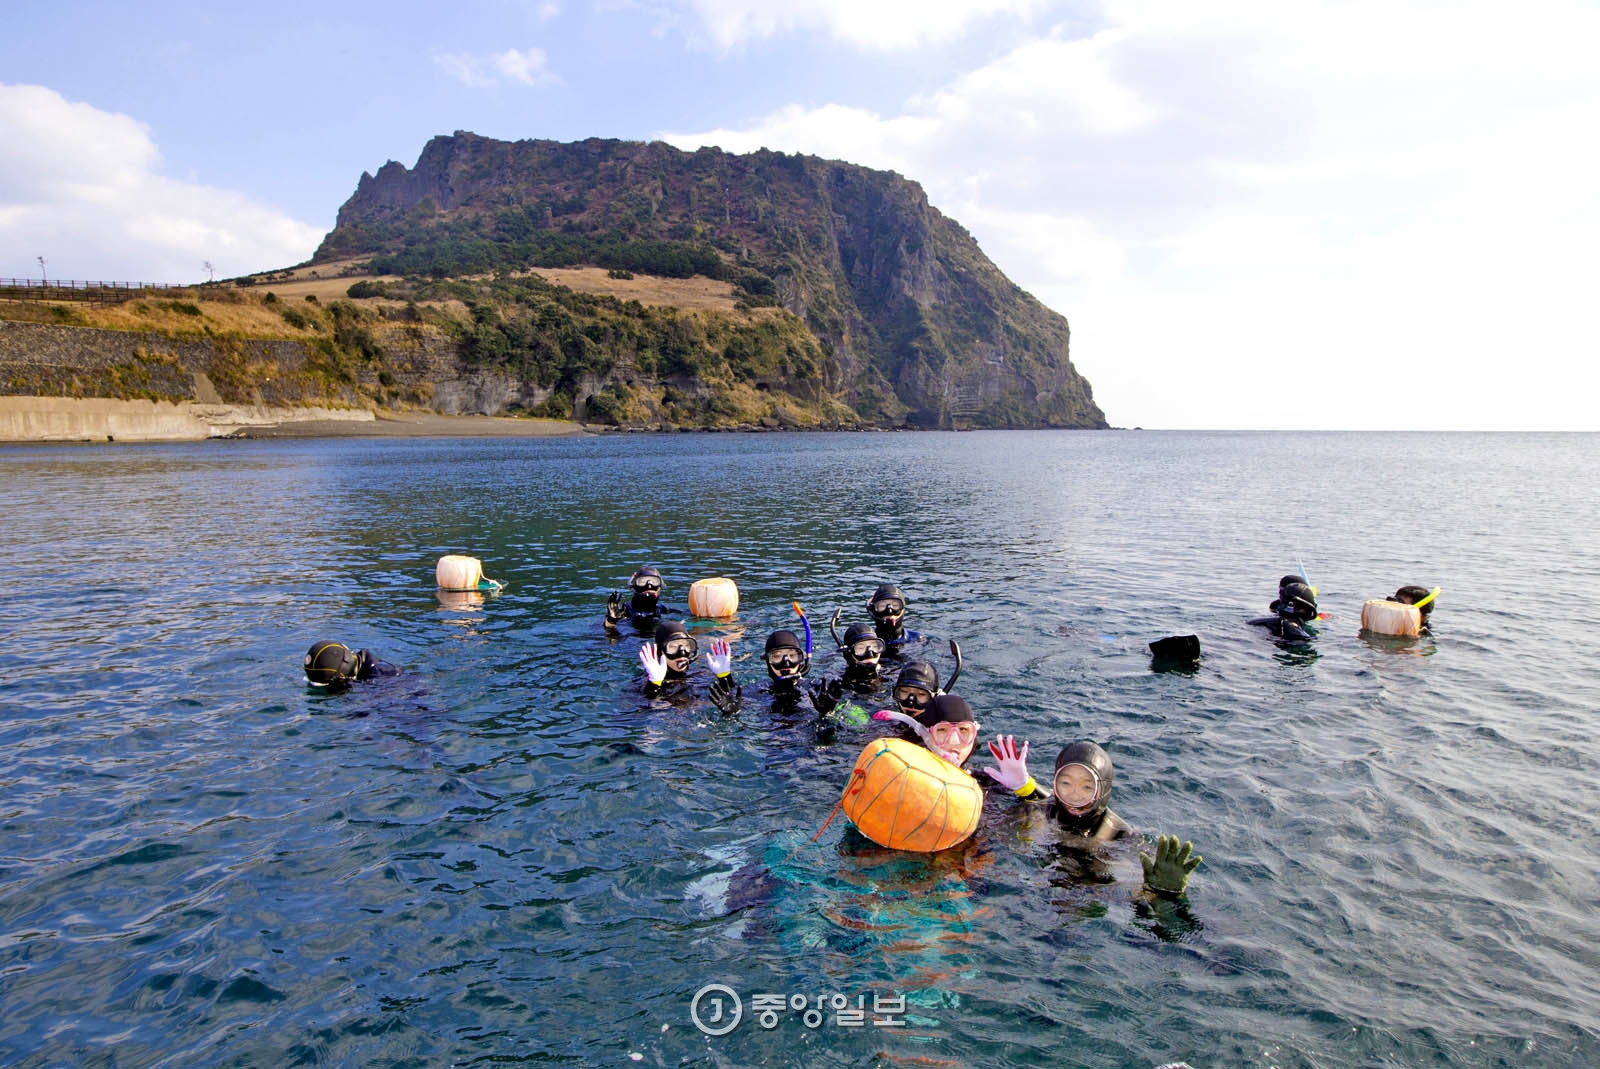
<point>98,419</point>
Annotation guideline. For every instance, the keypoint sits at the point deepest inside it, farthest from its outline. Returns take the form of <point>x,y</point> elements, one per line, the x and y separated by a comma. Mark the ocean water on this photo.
<point>509,854</point>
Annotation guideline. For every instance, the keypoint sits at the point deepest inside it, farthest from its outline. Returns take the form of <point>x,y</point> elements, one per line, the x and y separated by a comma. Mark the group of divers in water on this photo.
<point>1078,796</point>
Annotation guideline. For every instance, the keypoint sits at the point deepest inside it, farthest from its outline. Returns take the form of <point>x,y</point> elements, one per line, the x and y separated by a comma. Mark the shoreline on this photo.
<point>418,425</point>
<point>28,420</point>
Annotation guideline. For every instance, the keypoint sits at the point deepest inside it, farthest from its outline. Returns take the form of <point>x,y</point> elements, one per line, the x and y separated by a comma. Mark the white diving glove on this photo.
<point>1013,771</point>
<point>655,666</point>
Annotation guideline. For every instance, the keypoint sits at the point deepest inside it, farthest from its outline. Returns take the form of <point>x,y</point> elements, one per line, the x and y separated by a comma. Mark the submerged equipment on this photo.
<point>905,797</point>
<point>1176,649</point>
<point>457,572</point>
<point>716,598</point>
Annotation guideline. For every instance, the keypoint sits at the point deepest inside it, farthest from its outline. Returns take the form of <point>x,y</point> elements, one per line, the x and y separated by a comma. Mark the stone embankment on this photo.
<point>174,385</point>
<point>101,419</point>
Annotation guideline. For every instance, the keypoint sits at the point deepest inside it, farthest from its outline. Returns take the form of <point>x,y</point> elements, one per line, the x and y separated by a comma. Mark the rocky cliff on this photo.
<point>911,322</point>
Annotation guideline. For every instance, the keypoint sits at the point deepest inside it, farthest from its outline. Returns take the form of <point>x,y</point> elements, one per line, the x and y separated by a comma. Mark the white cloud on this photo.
<point>511,67</point>
<point>880,25</point>
<point>80,187</point>
<point>1381,210</point>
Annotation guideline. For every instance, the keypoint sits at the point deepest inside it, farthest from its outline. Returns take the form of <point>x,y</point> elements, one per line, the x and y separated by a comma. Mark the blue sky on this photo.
<point>1363,215</point>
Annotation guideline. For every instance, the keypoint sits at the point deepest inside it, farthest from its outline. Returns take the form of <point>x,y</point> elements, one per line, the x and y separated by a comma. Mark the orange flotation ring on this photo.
<point>903,796</point>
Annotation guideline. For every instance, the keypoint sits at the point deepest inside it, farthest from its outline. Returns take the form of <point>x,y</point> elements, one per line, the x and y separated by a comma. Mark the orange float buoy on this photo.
<point>1385,617</point>
<point>714,598</point>
<point>903,796</point>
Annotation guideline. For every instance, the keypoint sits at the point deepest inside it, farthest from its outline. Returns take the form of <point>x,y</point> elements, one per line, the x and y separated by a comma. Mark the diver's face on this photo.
<point>1076,787</point>
<point>784,663</point>
<point>678,652</point>
<point>957,740</point>
<point>866,652</point>
<point>647,586</point>
<point>911,700</point>
<point>888,610</point>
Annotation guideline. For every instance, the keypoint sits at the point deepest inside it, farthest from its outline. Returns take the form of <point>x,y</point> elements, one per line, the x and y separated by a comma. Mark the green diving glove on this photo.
<point>1168,873</point>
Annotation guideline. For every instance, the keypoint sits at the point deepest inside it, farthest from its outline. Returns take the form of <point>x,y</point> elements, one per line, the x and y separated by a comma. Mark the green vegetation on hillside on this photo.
<point>913,323</point>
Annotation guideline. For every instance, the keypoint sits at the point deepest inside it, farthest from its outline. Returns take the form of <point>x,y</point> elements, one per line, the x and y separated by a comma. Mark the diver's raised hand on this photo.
<point>719,658</point>
<point>825,695</point>
<point>655,666</point>
<point>1013,771</point>
<point>613,608</point>
<point>726,695</point>
<point>1168,872</point>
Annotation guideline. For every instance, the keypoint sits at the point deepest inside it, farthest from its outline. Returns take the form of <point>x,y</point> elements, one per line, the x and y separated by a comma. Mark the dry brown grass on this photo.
<point>697,292</point>
<point>250,318</point>
<point>324,289</point>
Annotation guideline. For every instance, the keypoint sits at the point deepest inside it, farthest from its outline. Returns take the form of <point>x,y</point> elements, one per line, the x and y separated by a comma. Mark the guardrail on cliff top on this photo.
<point>71,289</point>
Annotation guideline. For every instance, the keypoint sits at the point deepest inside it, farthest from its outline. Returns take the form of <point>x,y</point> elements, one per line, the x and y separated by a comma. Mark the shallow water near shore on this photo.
<point>509,854</point>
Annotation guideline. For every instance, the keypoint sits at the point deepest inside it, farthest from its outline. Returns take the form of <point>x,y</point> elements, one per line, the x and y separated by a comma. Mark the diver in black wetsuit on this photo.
<point>644,609</point>
<point>1293,609</point>
<point>1079,801</point>
<point>888,608</point>
<point>863,661</point>
<point>1422,598</point>
<point>666,659</point>
<point>333,664</point>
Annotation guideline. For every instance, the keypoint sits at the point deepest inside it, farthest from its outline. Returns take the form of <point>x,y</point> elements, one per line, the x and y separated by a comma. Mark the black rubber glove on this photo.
<point>726,695</point>
<point>825,695</point>
<point>613,608</point>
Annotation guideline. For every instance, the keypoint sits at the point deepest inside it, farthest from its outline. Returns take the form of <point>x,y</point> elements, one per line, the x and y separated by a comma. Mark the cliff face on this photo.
<point>914,324</point>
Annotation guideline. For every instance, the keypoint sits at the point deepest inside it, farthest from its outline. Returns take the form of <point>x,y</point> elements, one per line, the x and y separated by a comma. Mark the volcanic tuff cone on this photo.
<point>912,324</point>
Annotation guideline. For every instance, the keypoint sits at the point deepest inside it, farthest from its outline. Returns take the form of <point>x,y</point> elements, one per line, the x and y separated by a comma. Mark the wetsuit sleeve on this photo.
<point>372,668</point>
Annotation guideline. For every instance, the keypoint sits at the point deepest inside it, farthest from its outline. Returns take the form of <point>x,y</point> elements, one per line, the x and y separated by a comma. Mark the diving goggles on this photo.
<point>888,607</point>
<point>784,658</point>
<point>945,731</point>
<point>867,648</point>
<point>912,697</point>
<point>680,646</point>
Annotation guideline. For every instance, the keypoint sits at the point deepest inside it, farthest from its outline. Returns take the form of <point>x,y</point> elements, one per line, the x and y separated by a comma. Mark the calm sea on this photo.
<point>509,854</point>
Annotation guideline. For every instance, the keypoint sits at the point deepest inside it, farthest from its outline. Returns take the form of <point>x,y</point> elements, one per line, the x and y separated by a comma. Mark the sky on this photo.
<point>1255,214</point>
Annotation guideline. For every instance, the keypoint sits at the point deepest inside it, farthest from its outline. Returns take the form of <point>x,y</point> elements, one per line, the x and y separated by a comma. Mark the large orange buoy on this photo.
<point>1385,617</point>
<point>905,797</point>
<point>713,598</point>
